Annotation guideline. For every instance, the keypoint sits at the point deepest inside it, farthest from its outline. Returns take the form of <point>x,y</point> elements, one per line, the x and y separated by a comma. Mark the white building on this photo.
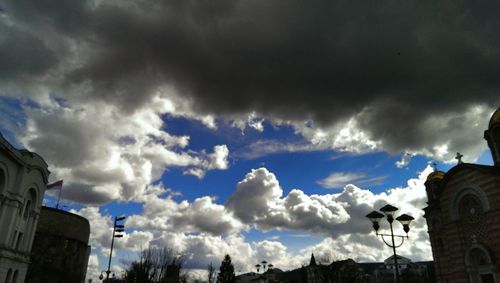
<point>23,180</point>
<point>403,262</point>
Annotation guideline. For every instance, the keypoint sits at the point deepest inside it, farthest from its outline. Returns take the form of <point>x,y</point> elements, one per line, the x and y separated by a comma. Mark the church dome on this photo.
<point>495,118</point>
<point>436,175</point>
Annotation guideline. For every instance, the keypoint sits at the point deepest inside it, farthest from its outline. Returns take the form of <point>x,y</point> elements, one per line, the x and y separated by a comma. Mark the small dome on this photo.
<point>495,118</point>
<point>436,175</point>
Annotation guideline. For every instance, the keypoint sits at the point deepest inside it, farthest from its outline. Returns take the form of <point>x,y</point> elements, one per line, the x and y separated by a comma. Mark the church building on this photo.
<point>463,216</point>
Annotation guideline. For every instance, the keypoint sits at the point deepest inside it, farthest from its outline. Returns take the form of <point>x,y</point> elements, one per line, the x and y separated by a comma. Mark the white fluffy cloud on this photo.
<point>258,201</point>
<point>204,231</point>
<point>104,153</point>
<point>162,213</point>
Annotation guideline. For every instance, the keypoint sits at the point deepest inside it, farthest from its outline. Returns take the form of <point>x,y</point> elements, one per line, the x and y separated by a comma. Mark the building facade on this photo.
<point>463,216</point>
<point>409,271</point>
<point>60,250</point>
<point>23,180</point>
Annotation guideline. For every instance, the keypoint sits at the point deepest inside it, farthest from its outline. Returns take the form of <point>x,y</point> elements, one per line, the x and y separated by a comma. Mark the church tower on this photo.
<point>492,135</point>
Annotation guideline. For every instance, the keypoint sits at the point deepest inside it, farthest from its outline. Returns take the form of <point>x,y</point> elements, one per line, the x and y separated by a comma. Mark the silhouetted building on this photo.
<point>348,271</point>
<point>60,250</point>
<point>313,273</point>
<point>272,275</point>
<point>247,277</point>
<point>463,216</point>
<point>23,180</point>
<point>409,271</point>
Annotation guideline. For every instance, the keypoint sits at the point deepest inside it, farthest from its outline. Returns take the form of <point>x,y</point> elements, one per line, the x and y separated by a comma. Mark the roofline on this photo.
<point>459,167</point>
<point>5,144</point>
<point>19,155</point>
<point>65,212</point>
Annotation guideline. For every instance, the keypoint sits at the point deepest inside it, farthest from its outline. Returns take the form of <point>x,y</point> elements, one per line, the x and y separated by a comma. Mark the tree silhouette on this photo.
<point>155,265</point>
<point>226,271</point>
<point>211,276</point>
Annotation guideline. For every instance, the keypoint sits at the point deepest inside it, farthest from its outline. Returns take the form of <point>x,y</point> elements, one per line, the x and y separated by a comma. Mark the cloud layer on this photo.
<point>347,76</point>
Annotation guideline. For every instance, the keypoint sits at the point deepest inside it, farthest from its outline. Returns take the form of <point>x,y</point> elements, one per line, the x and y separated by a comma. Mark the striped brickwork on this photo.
<point>451,235</point>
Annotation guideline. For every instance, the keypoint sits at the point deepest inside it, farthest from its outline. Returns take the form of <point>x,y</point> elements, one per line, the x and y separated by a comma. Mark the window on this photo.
<point>478,257</point>
<point>9,276</point>
<point>478,262</point>
<point>19,240</point>
<point>468,203</point>
<point>470,207</point>
<point>27,209</point>
<point>29,203</point>
<point>487,278</point>
<point>14,237</point>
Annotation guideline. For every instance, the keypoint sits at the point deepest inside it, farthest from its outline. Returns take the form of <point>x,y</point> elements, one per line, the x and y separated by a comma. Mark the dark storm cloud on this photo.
<point>22,54</point>
<point>324,60</point>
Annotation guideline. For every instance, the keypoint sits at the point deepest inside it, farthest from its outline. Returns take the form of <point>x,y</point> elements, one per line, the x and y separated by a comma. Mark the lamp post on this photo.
<point>263,265</point>
<point>117,228</point>
<point>404,219</point>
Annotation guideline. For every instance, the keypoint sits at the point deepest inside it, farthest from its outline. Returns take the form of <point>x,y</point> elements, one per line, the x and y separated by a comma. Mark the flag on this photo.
<point>55,186</point>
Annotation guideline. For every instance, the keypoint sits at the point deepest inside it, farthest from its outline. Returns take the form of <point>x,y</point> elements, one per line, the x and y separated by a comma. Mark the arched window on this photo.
<point>27,208</point>
<point>469,207</point>
<point>29,203</point>
<point>478,257</point>
<point>9,276</point>
<point>468,203</point>
<point>14,278</point>
<point>479,264</point>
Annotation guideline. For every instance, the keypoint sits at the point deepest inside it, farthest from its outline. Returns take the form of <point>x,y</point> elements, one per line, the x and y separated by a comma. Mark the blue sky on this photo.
<point>264,130</point>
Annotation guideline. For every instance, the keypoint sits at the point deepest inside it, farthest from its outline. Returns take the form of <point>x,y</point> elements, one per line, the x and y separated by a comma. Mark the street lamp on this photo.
<point>404,219</point>
<point>264,265</point>
<point>117,229</point>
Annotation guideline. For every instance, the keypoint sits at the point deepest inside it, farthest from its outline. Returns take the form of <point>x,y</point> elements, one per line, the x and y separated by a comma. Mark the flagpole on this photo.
<point>58,198</point>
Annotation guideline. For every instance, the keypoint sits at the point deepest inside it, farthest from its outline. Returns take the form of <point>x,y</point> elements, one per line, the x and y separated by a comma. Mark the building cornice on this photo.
<point>26,158</point>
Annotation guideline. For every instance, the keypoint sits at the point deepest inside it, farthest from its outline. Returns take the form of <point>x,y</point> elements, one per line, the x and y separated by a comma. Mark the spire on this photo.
<point>313,260</point>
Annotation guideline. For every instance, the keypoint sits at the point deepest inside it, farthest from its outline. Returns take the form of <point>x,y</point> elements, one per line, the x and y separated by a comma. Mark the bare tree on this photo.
<point>212,274</point>
<point>155,265</point>
<point>328,257</point>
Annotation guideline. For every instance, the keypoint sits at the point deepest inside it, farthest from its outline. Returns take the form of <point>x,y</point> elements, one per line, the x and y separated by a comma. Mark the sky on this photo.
<point>266,130</point>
